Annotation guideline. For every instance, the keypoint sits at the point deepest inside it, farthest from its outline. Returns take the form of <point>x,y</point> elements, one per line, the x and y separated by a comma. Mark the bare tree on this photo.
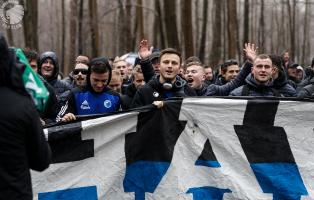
<point>261,31</point>
<point>158,31</point>
<point>291,12</point>
<point>80,34</point>
<point>93,16</point>
<point>246,21</point>
<point>305,32</point>
<point>63,34</point>
<point>232,28</point>
<point>201,51</point>
<point>10,37</point>
<point>171,24</point>
<point>73,32</point>
<point>216,48</point>
<point>187,28</point>
<point>30,23</point>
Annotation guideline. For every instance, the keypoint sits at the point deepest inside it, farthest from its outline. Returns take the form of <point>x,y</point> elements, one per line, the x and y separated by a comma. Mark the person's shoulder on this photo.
<point>237,91</point>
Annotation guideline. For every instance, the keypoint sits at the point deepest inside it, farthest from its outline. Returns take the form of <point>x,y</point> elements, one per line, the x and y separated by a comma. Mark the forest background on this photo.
<point>213,30</point>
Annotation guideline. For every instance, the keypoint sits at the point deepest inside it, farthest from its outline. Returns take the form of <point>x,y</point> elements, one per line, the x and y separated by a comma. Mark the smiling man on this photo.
<point>48,68</point>
<point>165,85</point>
<point>259,82</point>
<point>96,97</point>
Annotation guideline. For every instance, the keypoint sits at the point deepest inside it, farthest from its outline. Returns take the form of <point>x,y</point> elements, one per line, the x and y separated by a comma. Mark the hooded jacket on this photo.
<point>154,91</point>
<point>307,91</point>
<point>58,85</point>
<point>254,89</point>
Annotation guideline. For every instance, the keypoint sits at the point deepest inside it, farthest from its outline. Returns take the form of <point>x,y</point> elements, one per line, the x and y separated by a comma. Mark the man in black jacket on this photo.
<point>166,85</point>
<point>22,142</point>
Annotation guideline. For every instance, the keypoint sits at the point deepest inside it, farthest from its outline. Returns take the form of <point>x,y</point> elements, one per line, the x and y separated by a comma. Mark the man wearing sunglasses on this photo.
<point>79,75</point>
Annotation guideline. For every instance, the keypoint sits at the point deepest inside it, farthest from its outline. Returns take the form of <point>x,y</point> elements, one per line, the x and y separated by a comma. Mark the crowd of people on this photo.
<point>101,85</point>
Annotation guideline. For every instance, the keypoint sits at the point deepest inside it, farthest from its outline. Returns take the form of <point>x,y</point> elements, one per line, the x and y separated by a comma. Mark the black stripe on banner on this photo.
<point>157,133</point>
<point>261,141</point>
<point>67,145</point>
<point>207,153</point>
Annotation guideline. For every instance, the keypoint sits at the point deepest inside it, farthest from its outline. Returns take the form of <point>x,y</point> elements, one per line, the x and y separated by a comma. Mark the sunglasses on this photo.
<point>77,71</point>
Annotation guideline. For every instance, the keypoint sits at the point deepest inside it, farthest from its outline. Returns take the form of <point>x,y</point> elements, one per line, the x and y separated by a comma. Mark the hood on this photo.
<point>281,80</point>
<point>94,61</point>
<point>252,82</point>
<point>54,58</point>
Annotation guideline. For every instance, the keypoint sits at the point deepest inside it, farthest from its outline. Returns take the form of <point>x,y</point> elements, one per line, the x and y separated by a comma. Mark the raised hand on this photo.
<point>250,51</point>
<point>144,51</point>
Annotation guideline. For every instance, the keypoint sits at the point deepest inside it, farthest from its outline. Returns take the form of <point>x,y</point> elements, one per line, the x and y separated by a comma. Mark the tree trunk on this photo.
<point>246,21</point>
<point>128,27</point>
<point>93,16</point>
<point>291,12</point>
<point>232,28</point>
<point>10,37</point>
<point>62,34</point>
<point>139,18</point>
<point>216,48</point>
<point>187,28</point>
<point>121,29</point>
<point>261,32</point>
<point>73,32</point>
<point>30,23</point>
<point>80,36</point>
<point>170,20</point>
<point>159,31</point>
<point>201,52</point>
<point>305,33</point>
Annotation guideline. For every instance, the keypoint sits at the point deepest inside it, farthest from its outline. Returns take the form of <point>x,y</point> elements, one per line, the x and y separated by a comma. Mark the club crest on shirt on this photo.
<point>107,103</point>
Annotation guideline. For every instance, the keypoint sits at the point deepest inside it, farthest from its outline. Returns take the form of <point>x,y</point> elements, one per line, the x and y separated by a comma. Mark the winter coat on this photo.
<point>253,88</point>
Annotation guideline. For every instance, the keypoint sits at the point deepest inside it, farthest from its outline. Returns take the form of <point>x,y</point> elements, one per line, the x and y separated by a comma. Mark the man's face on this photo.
<point>156,65</point>
<point>47,68</point>
<point>33,64</point>
<point>138,80</point>
<point>208,73</point>
<point>262,70</point>
<point>99,81</point>
<point>169,67</point>
<point>122,67</point>
<point>292,72</point>
<point>231,73</point>
<point>79,74</point>
<point>115,83</point>
<point>286,56</point>
<point>195,76</point>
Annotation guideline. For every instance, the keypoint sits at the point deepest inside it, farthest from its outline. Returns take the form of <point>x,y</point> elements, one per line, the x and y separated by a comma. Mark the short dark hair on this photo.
<point>228,63</point>
<point>100,65</point>
<point>30,54</point>
<point>170,51</point>
<point>277,61</point>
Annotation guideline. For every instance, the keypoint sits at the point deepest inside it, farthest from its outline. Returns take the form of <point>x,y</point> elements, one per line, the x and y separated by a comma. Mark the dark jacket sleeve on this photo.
<point>306,92</point>
<point>147,69</point>
<point>137,100</point>
<point>38,150</point>
<point>224,90</point>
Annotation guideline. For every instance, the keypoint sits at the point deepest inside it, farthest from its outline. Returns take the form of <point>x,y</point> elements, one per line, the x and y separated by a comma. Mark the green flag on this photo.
<point>33,85</point>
